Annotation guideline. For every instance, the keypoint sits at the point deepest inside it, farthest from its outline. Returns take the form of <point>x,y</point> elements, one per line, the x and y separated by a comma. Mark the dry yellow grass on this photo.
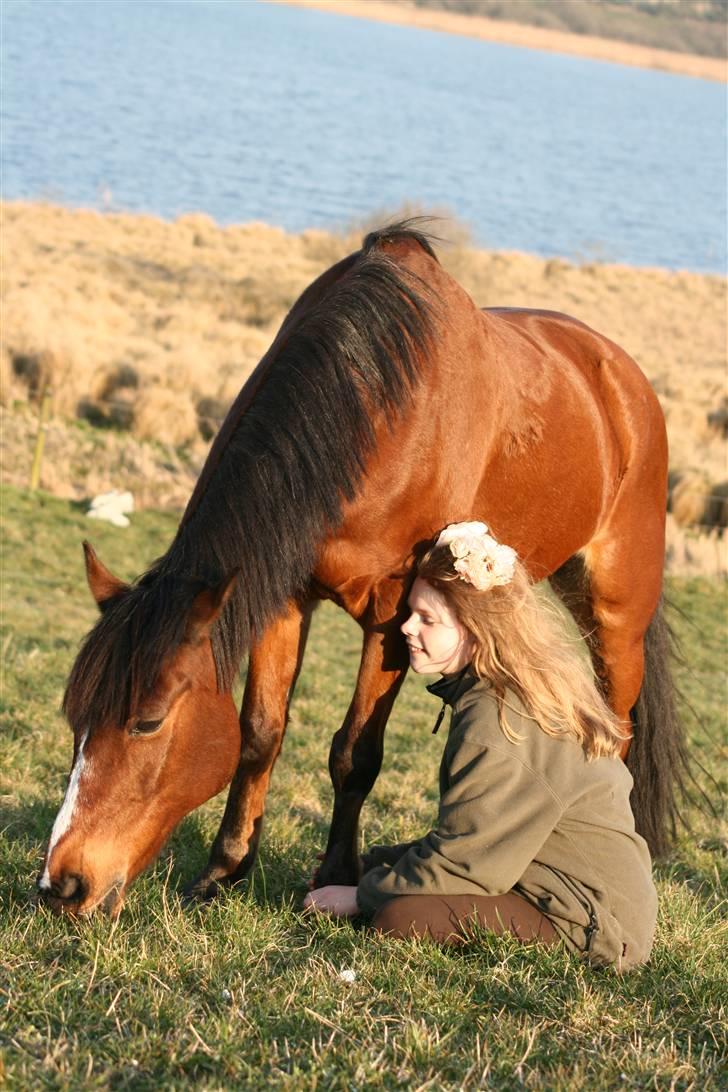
<point>155,326</point>
<point>115,308</point>
<point>407,14</point>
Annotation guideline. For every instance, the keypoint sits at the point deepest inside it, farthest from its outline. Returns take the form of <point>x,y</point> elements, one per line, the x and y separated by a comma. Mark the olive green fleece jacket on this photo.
<point>535,817</point>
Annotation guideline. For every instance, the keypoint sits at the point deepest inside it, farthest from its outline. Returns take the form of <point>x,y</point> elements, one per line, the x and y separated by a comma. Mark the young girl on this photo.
<point>535,835</point>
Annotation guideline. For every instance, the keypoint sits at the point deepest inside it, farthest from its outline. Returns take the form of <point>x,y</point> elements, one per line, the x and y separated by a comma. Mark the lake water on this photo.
<point>302,118</point>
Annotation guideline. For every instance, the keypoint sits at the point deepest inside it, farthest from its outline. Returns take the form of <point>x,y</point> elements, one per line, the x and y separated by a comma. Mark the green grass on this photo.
<point>246,992</point>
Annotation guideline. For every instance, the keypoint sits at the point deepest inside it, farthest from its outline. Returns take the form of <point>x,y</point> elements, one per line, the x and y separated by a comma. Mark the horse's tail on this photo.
<point>657,756</point>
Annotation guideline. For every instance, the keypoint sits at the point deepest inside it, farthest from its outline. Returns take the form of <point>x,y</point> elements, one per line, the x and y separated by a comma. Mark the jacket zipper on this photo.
<point>440,715</point>
<point>592,927</point>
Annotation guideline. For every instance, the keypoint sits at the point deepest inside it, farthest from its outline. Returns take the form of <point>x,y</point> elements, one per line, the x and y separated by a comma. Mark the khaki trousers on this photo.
<point>448,919</point>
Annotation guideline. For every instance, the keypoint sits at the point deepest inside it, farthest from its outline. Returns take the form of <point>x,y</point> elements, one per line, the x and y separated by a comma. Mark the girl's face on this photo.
<point>436,640</point>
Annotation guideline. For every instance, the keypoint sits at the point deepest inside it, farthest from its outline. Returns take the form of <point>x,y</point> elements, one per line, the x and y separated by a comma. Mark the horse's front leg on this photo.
<point>356,750</point>
<point>275,661</point>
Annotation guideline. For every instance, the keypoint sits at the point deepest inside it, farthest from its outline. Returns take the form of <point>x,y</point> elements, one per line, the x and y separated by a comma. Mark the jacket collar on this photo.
<point>451,687</point>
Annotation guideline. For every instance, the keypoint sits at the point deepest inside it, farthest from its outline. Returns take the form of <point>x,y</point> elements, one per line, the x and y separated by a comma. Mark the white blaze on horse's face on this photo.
<point>131,784</point>
<point>81,872</point>
<point>65,815</point>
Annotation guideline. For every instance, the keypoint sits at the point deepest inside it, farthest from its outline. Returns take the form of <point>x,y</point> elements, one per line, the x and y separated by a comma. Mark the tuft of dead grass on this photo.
<point>690,553</point>
<point>688,498</point>
<point>174,407</point>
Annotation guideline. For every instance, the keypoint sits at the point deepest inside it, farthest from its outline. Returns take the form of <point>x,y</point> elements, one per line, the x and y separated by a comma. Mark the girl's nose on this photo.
<point>406,626</point>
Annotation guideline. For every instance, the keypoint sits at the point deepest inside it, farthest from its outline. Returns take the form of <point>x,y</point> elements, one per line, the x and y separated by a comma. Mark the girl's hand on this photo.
<point>336,899</point>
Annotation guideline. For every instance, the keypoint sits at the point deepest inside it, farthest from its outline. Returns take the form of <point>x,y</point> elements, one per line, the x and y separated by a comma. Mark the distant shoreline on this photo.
<point>402,13</point>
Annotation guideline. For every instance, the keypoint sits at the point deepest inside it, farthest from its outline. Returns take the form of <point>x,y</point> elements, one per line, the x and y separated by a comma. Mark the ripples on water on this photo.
<point>255,111</point>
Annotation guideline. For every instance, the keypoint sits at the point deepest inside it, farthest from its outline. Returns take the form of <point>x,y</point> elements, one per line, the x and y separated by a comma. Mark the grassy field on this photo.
<point>247,992</point>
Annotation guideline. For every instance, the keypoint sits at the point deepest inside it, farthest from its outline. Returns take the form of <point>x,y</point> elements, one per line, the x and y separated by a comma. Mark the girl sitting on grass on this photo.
<point>535,835</point>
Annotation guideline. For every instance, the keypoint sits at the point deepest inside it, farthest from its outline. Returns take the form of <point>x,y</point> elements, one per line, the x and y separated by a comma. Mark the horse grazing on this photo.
<point>387,406</point>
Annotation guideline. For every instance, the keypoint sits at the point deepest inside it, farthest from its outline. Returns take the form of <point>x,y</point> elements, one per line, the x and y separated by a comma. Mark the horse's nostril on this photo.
<point>68,888</point>
<point>72,888</point>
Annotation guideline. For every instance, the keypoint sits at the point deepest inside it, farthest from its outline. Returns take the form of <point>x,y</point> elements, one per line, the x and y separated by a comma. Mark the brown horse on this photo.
<point>387,407</point>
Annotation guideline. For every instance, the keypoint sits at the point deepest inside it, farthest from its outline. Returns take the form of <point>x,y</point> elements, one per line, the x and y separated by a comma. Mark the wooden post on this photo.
<point>45,406</point>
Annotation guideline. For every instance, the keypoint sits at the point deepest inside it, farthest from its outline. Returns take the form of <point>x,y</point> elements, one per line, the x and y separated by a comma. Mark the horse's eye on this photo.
<point>146,727</point>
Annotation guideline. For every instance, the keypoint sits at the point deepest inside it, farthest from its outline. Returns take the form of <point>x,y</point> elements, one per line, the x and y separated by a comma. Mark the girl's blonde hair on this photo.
<point>522,644</point>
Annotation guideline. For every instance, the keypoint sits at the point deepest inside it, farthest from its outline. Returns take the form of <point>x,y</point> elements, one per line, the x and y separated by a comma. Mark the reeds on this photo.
<point>142,325</point>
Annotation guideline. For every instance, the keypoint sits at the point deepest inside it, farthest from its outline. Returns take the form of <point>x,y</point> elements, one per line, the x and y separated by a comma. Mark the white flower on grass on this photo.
<point>226,995</point>
<point>347,974</point>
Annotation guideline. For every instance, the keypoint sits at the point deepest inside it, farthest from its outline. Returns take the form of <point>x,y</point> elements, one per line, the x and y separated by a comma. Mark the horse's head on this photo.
<point>149,745</point>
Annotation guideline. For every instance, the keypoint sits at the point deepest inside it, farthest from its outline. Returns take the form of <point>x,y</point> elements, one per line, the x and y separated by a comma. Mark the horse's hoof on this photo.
<point>203,889</point>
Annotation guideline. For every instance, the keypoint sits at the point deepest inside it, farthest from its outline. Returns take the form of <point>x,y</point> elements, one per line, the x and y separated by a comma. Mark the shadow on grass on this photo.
<point>24,828</point>
<point>185,853</point>
<point>706,881</point>
<point>314,820</point>
<point>277,879</point>
<point>28,824</point>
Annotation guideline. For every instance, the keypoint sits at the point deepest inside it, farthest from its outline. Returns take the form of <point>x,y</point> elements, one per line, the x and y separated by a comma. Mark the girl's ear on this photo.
<point>103,584</point>
<point>208,606</point>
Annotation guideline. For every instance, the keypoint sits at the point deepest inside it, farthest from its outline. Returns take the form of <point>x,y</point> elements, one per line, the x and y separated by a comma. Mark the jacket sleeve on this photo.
<point>383,855</point>
<point>495,814</point>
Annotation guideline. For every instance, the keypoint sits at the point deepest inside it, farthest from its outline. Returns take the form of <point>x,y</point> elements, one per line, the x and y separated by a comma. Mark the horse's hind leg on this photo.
<point>624,567</point>
<point>275,661</point>
<point>613,589</point>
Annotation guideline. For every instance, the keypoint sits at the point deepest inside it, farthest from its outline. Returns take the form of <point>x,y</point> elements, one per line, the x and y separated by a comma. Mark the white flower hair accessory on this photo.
<point>478,558</point>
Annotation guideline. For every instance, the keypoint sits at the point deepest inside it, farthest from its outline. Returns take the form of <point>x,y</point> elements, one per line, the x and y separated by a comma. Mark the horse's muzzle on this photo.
<point>71,895</point>
<point>65,893</point>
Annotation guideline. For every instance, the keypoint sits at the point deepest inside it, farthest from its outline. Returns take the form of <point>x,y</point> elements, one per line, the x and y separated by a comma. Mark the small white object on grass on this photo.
<point>347,975</point>
<point>226,995</point>
<point>112,507</point>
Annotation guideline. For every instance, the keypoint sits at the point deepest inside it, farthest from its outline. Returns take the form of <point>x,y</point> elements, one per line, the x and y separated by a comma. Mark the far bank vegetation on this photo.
<point>144,330</point>
<point>684,26</point>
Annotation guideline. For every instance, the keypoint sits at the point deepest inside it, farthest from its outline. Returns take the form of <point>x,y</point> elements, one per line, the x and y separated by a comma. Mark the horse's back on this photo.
<point>556,332</point>
<point>538,338</point>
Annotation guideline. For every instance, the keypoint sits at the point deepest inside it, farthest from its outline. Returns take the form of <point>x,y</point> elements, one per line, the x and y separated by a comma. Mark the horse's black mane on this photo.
<point>296,454</point>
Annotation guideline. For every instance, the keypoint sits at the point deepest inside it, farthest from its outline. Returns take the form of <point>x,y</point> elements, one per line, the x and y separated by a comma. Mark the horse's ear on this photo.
<point>208,605</point>
<point>103,584</point>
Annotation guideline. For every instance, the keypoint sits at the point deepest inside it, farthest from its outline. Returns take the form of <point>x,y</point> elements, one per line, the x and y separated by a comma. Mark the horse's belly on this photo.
<point>547,508</point>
